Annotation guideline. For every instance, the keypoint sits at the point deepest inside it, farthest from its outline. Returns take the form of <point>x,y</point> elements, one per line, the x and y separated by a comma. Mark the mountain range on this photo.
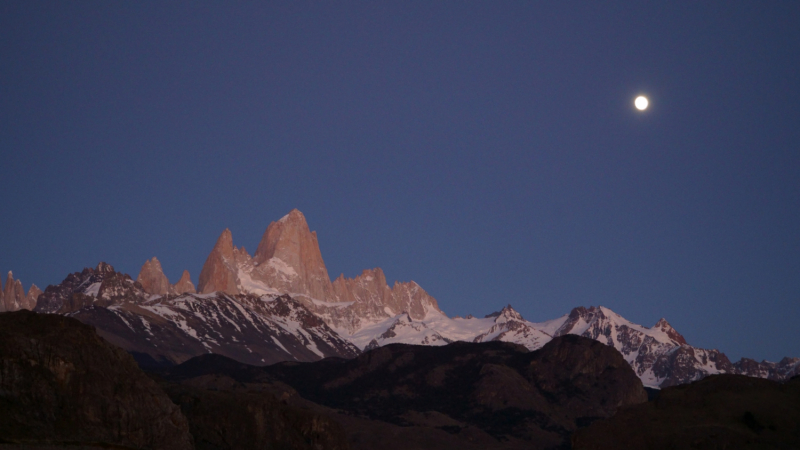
<point>280,305</point>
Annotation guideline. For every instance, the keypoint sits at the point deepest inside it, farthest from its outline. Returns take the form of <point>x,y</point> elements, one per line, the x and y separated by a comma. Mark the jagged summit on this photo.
<point>672,333</point>
<point>100,286</point>
<point>218,272</point>
<point>104,268</point>
<point>294,215</point>
<point>509,313</point>
<point>173,328</point>
<point>224,243</point>
<point>184,285</point>
<point>153,280</point>
<point>505,314</point>
<point>288,261</point>
<point>13,297</point>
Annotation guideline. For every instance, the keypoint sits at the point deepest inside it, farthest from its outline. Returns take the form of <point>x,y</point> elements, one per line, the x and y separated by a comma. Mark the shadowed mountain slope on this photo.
<point>719,412</point>
<point>63,384</point>
<point>495,391</point>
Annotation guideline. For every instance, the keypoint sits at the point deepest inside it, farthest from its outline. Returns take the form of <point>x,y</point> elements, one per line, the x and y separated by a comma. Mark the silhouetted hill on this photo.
<point>64,387</point>
<point>719,412</point>
<point>493,395</point>
<point>63,384</point>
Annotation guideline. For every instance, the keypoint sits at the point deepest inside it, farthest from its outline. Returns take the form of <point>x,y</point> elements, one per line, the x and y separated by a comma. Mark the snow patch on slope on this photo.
<point>93,289</point>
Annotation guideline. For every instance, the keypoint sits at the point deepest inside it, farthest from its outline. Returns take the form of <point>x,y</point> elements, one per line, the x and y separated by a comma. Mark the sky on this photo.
<point>489,151</point>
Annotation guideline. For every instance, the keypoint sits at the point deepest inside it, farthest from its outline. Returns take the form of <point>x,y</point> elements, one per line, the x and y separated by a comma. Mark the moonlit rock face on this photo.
<point>641,103</point>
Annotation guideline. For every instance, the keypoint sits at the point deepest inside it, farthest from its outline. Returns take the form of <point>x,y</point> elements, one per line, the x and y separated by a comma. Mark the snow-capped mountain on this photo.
<point>438,329</point>
<point>659,355</point>
<point>288,261</point>
<point>280,305</point>
<point>367,312</point>
<point>647,350</point>
<point>173,328</point>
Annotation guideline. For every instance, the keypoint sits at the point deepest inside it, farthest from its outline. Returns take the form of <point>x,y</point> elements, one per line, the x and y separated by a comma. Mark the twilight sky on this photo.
<point>489,151</point>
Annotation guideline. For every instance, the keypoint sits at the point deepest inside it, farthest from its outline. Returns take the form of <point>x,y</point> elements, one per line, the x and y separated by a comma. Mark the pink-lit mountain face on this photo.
<point>13,297</point>
<point>288,261</point>
<point>281,305</point>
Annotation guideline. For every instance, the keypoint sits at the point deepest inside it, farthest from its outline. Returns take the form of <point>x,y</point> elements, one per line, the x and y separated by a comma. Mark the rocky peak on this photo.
<point>577,316</point>
<point>508,313</point>
<point>673,334</point>
<point>224,245</point>
<point>287,239</point>
<point>288,259</point>
<point>13,294</point>
<point>104,268</point>
<point>102,284</point>
<point>579,313</point>
<point>410,297</point>
<point>152,278</point>
<point>30,300</point>
<point>219,272</point>
<point>370,288</point>
<point>184,285</point>
<point>241,257</point>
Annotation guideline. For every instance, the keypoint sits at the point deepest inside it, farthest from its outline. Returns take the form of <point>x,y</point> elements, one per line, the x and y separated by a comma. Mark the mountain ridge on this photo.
<point>359,313</point>
<point>288,261</point>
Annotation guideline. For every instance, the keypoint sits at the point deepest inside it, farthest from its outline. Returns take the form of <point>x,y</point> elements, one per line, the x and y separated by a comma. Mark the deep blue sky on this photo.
<point>488,150</point>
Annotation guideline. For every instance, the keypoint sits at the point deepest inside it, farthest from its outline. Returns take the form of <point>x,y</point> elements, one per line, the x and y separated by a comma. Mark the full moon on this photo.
<point>641,103</point>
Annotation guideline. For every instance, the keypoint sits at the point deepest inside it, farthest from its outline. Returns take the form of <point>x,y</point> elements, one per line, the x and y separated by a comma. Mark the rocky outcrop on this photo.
<point>184,285</point>
<point>370,300</point>
<point>64,385</point>
<point>13,297</point>
<point>219,272</point>
<point>33,295</point>
<point>721,411</point>
<point>152,278</point>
